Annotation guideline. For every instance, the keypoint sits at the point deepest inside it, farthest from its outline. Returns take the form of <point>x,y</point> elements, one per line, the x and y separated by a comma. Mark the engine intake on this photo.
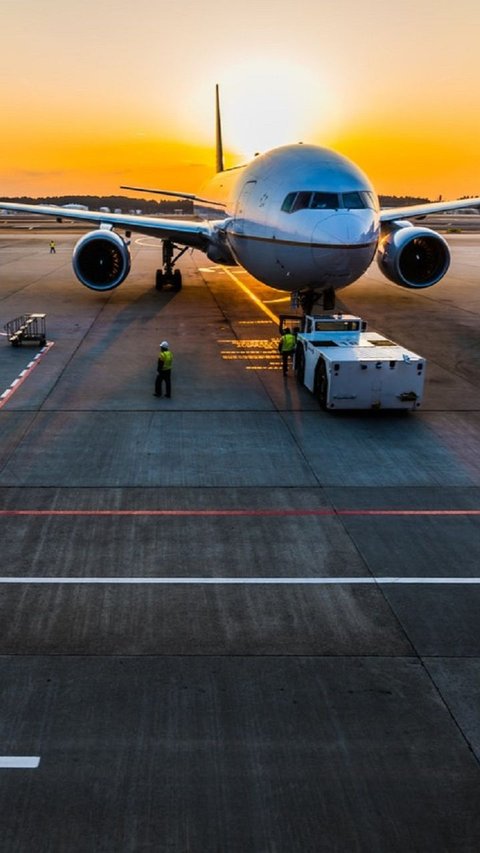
<point>413,257</point>
<point>101,260</point>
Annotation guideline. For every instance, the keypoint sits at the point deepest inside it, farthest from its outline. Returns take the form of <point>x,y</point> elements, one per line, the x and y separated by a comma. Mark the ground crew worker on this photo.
<point>286,348</point>
<point>164,370</point>
<point>52,247</point>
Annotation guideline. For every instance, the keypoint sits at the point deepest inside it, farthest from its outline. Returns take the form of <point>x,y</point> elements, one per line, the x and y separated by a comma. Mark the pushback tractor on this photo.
<point>347,367</point>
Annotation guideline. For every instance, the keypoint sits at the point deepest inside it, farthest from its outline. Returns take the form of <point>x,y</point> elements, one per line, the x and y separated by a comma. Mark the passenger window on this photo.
<point>301,202</point>
<point>353,201</point>
<point>324,201</point>
<point>288,203</point>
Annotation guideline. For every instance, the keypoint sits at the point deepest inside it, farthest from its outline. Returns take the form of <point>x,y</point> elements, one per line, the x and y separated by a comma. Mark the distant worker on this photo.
<point>52,247</point>
<point>164,370</point>
<point>286,348</point>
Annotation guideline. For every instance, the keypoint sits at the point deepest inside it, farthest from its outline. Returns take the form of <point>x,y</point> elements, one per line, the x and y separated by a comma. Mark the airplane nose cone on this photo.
<point>343,245</point>
<point>344,229</point>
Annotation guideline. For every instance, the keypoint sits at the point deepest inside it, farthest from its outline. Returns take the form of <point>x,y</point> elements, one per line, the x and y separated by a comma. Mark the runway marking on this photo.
<point>24,374</point>
<point>220,581</point>
<point>252,296</point>
<point>255,513</point>
<point>19,761</point>
<point>143,241</point>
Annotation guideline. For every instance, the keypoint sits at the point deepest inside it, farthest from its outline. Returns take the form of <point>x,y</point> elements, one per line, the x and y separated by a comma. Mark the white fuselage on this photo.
<point>297,217</point>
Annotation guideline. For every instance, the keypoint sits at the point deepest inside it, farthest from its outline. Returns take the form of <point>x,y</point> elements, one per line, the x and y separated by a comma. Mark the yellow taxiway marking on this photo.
<point>252,296</point>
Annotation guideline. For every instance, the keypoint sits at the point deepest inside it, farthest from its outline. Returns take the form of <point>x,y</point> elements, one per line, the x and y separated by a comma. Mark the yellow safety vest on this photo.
<point>166,358</point>
<point>288,343</point>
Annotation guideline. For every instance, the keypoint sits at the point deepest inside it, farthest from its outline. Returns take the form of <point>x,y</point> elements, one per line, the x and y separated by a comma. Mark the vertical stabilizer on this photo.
<point>218,132</point>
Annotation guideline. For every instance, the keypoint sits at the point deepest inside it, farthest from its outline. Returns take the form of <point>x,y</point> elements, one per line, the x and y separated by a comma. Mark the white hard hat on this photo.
<point>164,345</point>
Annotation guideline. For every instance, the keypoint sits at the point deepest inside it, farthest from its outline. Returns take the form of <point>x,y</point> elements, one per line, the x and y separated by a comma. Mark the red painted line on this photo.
<point>5,397</point>
<point>201,513</point>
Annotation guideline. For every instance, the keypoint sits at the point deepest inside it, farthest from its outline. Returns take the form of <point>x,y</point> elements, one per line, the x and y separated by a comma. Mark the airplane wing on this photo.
<point>187,232</point>
<point>389,214</point>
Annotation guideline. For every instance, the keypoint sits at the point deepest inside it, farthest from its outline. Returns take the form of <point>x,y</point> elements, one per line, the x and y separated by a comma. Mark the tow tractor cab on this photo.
<point>347,367</point>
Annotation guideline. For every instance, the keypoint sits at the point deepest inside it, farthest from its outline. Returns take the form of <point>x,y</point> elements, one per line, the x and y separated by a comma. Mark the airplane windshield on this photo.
<point>324,201</point>
<point>303,199</point>
<point>313,200</point>
<point>359,200</point>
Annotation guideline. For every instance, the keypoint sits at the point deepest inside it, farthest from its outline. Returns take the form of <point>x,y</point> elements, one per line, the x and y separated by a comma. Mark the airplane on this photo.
<point>299,218</point>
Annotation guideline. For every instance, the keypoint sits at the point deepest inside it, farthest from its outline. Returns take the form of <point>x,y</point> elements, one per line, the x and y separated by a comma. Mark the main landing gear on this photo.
<point>169,275</point>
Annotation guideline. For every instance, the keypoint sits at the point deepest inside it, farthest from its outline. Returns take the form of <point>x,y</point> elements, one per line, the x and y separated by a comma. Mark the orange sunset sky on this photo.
<point>96,93</point>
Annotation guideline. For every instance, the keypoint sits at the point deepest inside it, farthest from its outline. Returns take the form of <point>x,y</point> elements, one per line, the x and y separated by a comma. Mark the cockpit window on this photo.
<point>359,200</point>
<point>370,199</point>
<point>287,204</point>
<point>301,202</point>
<point>324,201</point>
<point>313,200</point>
<point>353,201</point>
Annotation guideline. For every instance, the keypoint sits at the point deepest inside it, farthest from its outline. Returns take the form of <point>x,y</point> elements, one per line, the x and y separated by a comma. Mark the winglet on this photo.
<point>218,134</point>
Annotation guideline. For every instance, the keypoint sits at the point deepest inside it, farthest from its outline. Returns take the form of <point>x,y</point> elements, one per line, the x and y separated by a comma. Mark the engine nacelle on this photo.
<point>101,260</point>
<point>413,257</point>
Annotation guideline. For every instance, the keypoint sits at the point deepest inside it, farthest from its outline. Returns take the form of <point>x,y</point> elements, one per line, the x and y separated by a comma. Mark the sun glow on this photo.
<point>266,103</point>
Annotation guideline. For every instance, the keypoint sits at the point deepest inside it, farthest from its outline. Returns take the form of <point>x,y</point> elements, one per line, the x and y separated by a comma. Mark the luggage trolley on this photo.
<point>28,328</point>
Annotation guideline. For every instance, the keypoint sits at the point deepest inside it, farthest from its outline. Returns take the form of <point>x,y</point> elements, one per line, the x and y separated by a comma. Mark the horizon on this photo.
<point>76,198</point>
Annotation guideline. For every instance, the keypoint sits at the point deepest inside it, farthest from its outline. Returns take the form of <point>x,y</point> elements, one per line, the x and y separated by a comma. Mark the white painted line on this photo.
<point>316,581</point>
<point>24,374</point>
<point>19,761</point>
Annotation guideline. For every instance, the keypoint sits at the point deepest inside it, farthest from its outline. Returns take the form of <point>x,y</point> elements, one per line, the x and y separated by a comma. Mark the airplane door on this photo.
<point>241,210</point>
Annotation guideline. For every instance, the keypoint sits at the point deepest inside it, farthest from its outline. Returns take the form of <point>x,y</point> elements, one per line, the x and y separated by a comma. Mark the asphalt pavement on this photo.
<point>230,621</point>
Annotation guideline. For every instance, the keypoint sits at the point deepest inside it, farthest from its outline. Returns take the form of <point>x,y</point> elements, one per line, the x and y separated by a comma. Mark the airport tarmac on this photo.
<point>231,621</point>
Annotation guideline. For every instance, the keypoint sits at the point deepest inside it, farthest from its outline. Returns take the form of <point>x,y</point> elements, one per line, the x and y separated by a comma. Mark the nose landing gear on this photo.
<point>309,298</point>
<point>169,275</point>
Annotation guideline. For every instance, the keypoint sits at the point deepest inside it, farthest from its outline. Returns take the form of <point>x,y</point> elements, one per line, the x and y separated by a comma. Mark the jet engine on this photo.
<point>101,260</point>
<point>413,257</point>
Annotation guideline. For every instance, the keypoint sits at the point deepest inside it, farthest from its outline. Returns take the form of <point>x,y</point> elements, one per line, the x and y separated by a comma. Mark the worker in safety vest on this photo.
<point>286,348</point>
<point>164,370</point>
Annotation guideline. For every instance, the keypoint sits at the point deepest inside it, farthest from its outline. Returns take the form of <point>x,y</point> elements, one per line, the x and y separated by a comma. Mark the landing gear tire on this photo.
<point>329,299</point>
<point>309,299</point>
<point>168,275</point>
<point>300,364</point>
<point>321,384</point>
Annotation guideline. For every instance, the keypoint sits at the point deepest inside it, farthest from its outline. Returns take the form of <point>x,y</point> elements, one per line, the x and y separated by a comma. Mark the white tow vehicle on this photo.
<point>347,367</point>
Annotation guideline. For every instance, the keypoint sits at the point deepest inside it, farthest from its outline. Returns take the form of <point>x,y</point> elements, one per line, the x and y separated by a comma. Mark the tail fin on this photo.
<point>218,132</point>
